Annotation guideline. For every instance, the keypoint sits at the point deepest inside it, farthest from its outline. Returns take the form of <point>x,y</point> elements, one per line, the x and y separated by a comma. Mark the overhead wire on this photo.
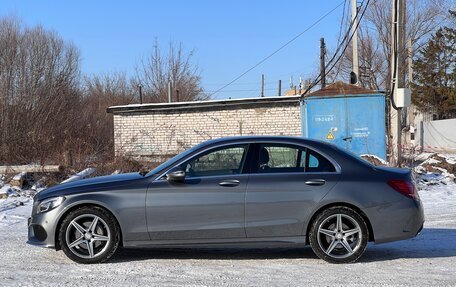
<point>341,23</point>
<point>279,49</point>
<point>338,39</point>
<point>246,90</point>
<point>318,78</point>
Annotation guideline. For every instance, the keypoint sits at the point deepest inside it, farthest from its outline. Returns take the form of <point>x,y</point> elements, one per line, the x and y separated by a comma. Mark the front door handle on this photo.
<point>229,183</point>
<point>315,182</point>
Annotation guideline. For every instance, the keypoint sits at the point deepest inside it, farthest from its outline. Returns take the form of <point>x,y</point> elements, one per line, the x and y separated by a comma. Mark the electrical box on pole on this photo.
<point>402,98</point>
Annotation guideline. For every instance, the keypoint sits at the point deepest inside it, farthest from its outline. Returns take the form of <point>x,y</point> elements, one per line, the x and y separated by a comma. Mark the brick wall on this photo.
<point>158,134</point>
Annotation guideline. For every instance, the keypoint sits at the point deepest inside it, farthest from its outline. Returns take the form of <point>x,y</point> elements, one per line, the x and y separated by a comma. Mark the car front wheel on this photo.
<point>339,235</point>
<point>89,235</point>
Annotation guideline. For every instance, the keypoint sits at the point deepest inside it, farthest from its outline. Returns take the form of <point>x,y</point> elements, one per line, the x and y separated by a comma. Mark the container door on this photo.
<point>324,119</point>
<point>355,123</point>
<point>366,125</point>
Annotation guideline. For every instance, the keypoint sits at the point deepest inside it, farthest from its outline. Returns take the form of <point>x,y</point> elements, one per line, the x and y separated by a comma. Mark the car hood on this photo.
<point>84,185</point>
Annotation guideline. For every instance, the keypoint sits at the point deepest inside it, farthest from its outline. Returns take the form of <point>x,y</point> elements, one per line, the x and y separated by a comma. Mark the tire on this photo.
<point>339,245</point>
<point>89,235</point>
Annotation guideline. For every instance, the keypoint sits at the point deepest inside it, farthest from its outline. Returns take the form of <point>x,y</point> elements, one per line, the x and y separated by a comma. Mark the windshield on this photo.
<point>173,160</point>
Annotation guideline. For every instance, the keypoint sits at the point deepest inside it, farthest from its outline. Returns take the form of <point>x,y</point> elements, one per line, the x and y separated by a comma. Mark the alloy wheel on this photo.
<point>339,236</point>
<point>87,236</point>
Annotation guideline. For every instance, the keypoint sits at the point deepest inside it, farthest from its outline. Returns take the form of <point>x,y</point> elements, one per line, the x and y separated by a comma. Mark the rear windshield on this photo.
<point>352,155</point>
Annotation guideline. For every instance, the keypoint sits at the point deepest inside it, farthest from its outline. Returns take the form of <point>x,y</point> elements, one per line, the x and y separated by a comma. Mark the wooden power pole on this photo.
<point>170,96</point>
<point>322,62</point>
<point>262,85</point>
<point>355,39</point>
<point>280,88</point>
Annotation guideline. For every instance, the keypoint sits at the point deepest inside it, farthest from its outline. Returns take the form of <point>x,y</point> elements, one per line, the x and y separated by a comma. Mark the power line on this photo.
<point>246,90</point>
<point>351,37</point>
<point>279,49</point>
<point>338,39</point>
<point>245,84</point>
<point>237,84</point>
<point>341,23</point>
<point>318,78</point>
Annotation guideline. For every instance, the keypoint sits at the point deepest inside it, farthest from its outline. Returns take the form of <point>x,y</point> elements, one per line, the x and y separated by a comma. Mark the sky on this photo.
<point>228,37</point>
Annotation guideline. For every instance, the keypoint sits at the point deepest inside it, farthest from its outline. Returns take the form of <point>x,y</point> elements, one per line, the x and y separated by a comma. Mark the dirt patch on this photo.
<point>436,167</point>
<point>373,160</point>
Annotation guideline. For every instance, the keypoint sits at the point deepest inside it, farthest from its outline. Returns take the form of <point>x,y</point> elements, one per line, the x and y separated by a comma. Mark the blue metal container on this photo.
<point>352,122</point>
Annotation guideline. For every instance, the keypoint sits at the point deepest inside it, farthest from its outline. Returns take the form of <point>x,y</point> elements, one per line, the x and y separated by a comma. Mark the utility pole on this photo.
<point>410,62</point>
<point>397,62</point>
<point>280,88</point>
<point>169,93</point>
<point>140,94</point>
<point>400,73</point>
<point>322,62</point>
<point>355,39</point>
<point>262,85</point>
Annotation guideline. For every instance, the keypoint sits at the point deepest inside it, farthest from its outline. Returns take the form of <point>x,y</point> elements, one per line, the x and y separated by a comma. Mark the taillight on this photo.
<point>405,187</point>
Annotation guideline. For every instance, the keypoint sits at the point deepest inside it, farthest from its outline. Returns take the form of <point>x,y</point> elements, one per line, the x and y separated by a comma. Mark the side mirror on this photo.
<point>176,175</point>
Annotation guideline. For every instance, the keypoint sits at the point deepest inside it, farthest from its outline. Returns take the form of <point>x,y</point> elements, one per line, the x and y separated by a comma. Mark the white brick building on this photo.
<point>158,131</point>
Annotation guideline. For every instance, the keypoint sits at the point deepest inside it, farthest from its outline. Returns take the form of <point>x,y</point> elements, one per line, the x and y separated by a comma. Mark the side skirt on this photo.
<point>226,243</point>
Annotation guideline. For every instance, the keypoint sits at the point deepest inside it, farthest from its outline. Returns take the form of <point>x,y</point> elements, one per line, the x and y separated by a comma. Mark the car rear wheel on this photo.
<point>89,235</point>
<point>339,235</point>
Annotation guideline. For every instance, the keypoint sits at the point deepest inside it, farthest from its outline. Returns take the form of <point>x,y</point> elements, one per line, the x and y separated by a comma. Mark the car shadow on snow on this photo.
<point>126,255</point>
<point>431,243</point>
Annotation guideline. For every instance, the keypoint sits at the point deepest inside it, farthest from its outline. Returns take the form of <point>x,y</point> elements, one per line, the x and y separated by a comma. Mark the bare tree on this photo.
<point>159,70</point>
<point>38,90</point>
<point>95,134</point>
<point>49,113</point>
<point>423,17</point>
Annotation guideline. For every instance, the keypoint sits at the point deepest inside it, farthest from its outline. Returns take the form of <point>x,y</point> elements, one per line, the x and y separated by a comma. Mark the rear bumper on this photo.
<point>400,220</point>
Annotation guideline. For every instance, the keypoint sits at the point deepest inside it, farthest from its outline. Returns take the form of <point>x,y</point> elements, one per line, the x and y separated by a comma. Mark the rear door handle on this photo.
<point>315,182</point>
<point>229,183</point>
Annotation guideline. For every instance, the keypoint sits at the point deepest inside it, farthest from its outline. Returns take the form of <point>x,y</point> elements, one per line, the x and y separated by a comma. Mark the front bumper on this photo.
<point>42,227</point>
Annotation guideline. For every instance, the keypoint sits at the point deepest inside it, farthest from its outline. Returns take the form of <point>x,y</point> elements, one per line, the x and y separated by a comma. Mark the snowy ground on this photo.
<point>427,260</point>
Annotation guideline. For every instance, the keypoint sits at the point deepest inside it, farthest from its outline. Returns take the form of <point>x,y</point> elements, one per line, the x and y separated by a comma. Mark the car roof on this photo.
<point>291,139</point>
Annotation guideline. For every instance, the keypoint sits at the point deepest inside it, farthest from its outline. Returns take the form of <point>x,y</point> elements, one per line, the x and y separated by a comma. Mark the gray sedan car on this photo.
<point>241,191</point>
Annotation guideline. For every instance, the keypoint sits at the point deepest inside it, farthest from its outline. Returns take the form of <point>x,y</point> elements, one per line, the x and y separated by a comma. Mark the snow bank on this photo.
<point>435,169</point>
<point>80,175</point>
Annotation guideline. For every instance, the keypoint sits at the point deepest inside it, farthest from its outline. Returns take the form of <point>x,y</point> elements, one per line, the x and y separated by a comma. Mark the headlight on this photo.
<point>50,203</point>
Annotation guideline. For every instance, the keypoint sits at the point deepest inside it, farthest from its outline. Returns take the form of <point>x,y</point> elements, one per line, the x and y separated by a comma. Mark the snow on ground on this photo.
<point>427,260</point>
<point>433,168</point>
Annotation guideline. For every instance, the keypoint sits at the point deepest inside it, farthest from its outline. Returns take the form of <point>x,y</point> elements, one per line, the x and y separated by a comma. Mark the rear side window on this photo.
<point>283,158</point>
<point>318,163</point>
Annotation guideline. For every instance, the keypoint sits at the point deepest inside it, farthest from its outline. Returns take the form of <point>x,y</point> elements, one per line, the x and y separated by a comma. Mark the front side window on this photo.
<point>221,161</point>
